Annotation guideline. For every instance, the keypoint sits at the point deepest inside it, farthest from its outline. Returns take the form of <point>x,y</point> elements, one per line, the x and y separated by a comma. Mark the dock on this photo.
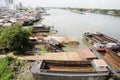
<point>84,54</point>
<point>44,38</point>
<point>63,39</point>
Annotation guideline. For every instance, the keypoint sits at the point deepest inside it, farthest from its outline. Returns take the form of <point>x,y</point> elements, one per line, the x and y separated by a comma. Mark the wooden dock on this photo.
<point>63,39</point>
<point>80,55</point>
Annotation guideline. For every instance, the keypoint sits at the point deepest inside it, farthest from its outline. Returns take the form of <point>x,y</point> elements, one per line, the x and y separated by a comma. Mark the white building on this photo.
<point>7,3</point>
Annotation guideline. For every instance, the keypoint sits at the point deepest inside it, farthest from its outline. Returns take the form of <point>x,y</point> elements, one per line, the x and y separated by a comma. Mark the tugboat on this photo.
<point>54,46</point>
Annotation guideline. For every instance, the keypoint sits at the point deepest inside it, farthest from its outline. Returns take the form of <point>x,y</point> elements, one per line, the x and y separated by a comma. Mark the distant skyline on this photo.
<point>114,4</point>
<point>7,3</point>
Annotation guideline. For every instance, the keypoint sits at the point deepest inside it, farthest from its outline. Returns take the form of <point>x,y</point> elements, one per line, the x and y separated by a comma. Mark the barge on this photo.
<point>112,60</point>
<point>41,28</point>
<point>69,70</point>
<point>101,41</point>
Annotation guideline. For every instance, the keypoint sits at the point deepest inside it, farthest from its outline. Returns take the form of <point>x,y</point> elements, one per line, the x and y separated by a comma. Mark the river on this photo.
<point>74,24</point>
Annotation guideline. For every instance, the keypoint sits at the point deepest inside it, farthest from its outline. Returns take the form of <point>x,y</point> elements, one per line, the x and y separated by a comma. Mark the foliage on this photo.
<point>6,73</point>
<point>43,49</point>
<point>110,79</point>
<point>114,12</point>
<point>15,38</point>
<point>20,62</point>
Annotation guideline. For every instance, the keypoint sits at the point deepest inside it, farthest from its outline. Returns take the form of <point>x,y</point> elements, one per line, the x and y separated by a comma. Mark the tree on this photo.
<point>15,38</point>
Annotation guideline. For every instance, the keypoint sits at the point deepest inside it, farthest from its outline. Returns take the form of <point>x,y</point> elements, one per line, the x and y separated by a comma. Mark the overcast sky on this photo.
<point>72,3</point>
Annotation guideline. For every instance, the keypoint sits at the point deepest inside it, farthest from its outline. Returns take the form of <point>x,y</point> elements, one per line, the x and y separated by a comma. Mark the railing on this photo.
<point>73,73</point>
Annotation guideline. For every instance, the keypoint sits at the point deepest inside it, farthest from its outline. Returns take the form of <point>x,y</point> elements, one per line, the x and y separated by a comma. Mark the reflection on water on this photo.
<point>68,23</point>
<point>71,47</point>
<point>85,42</point>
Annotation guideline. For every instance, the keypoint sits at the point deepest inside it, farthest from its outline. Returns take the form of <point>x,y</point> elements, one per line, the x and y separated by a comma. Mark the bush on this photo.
<point>6,72</point>
<point>20,62</point>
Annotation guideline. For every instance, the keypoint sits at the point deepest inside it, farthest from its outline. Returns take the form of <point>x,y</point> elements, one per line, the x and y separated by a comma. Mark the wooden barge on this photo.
<point>41,28</point>
<point>67,70</point>
<point>101,41</point>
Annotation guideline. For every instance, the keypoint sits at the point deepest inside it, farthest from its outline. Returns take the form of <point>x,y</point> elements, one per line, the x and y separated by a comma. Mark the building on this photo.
<point>9,4</point>
<point>20,6</point>
<point>69,70</point>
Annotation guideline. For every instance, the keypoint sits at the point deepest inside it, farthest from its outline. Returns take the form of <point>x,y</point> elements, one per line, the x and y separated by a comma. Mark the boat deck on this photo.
<point>101,38</point>
<point>41,29</point>
<point>67,65</point>
<point>118,53</point>
<point>113,60</point>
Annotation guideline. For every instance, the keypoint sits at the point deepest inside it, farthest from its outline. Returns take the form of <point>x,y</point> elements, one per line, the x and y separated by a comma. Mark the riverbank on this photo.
<point>111,12</point>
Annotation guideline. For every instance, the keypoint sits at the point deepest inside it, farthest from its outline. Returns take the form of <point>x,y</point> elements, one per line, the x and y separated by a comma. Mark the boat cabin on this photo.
<point>53,45</point>
<point>99,47</point>
<point>112,46</point>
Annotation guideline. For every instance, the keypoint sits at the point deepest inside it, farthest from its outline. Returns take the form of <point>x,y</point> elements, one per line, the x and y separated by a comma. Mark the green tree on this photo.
<point>15,38</point>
